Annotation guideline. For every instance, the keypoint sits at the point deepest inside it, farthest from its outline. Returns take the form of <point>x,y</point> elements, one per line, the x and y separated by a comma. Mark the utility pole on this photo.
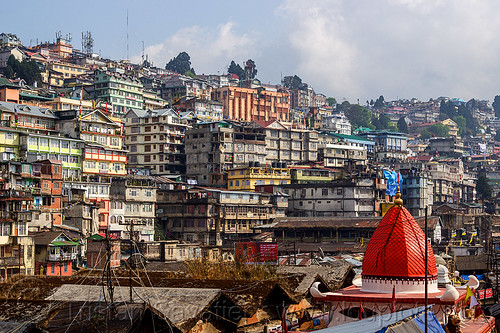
<point>426,260</point>
<point>131,233</point>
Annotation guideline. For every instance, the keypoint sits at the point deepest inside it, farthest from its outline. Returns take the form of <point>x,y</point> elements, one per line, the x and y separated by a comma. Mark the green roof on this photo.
<point>4,82</point>
<point>96,237</point>
<point>21,94</point>
<point>351,137</point>
<point>62,243</point>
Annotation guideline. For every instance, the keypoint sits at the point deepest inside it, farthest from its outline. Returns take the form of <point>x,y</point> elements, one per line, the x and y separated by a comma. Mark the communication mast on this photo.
<point>87,42</point>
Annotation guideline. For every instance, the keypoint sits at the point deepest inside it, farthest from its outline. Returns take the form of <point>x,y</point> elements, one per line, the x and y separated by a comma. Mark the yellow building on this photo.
<point>9,144</point>
<point>452,125</point>
<point>246,178</point>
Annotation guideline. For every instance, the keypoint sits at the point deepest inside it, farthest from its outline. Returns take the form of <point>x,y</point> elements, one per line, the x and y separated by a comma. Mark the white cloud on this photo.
<point>405,48</point>
<point>211,49</point>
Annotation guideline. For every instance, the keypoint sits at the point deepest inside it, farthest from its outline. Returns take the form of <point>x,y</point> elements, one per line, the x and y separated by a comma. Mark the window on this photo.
<point>147,158</point>
<point>54,143</point>
<point>133,148</point>
<point>324,192</point>
<point>147,138</point>
<point>65,267</point>
<point>103,166</point>
<point>9,136</point>
<point>147,148</point>
<point>44,142</point>
<point>147,129</point>
<point>90,164</point>
<point>52,268</point>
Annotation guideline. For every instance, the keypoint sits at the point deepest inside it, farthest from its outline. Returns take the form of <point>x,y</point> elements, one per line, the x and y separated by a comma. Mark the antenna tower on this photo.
<point>87,42</point>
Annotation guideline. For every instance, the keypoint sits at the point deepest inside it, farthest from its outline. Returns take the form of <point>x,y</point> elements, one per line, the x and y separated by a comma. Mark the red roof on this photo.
<point>397,248</point>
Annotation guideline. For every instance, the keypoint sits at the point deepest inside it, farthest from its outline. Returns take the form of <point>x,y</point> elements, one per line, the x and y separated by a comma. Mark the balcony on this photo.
<point>15,194</point>
<point>62,256</point>
<point>11,261</point>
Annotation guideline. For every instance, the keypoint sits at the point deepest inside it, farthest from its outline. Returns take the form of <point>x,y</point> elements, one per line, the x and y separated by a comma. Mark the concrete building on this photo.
<point>213,148</point>
<point>179,87</point>
<point>288,145</point>
<point>349,198</point>
<point>132,208</point>
<point>155,140</point>
<point>211,216</point>
<point>103,156</point>
<point>388,145</point>
<point>336,123</point>
<point>119,90</point>
<point>417,188</point>
<point>16,247</point>
<point>451,146</point>
<point>248,104</point>
<point>247,178</point>
<point>202,109</point>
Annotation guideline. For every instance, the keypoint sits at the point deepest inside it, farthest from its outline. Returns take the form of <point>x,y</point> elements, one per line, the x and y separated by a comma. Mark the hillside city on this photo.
<point>118,175</point>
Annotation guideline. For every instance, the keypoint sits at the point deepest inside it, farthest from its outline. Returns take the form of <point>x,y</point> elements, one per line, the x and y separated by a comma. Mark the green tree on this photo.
<point>402,125</point>
<point>292,82</point>
<point>379,103</point>
<point>496,105</point>
<point>482,185</point>
<point>331,101</point>
<point>236,69</point>
<point>26,70</point>
<point>357,114</point>
<point>180,64</point>
<point>461,123</point>
<point>439,130</point>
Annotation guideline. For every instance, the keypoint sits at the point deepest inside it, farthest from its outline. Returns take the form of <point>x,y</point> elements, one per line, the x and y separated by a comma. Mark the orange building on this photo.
<point>50,174</point>
<point>248,104</point>
<point>9,92</point>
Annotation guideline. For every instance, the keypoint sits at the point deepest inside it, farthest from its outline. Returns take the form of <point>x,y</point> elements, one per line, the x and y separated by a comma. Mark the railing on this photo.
<point>63,256</point>
<point>11,261</point>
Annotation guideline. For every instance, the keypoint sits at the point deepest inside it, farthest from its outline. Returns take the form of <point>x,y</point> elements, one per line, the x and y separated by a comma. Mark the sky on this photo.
<point>348,49</point>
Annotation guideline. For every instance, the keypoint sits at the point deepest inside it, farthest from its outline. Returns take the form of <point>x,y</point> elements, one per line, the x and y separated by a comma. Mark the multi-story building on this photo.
<point>132,208</point>
<point>35,147</point>
<point>342,154</point>
<point>66,69</point>
<point>446,178</point>
<point>155,140</point>
<point>62,48</point>
<point>248,104</point>
<point>213,148</point>
<point>211,216</point>
<point>246,178</point>
<point>9,92</point>
<point>64,103</point>
<point>360,196</point>
<point>336,123</point>
<point>16,247</point>
<point>119,90</point>
<point>28,118</point>
<point>307,174</point>
<point>388,145</point>
<point>180,87</point>
<point>103,155</point>
<point>152,100</point>
<point>46,179</point>
<point>9,40</point>
<point>55,253</point>
<point>417,188</point>
<point>202,109</point>
<point>288,145</point>
<point>451,146</point>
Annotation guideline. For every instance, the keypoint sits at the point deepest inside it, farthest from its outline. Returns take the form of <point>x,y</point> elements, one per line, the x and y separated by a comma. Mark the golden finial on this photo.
<point>398,201</point>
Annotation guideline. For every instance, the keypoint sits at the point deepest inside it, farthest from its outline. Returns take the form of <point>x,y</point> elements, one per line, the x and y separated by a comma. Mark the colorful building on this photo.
<point>119,90</point>
<point>248,104</point>
<point>54,253</point>
<point>246,178</point>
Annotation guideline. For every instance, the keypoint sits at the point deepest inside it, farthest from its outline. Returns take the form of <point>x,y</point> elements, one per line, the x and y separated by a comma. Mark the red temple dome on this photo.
<point>396,252</point>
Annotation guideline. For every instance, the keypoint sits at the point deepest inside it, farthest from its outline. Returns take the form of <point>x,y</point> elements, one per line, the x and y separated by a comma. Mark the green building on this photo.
<point>120,91</point>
